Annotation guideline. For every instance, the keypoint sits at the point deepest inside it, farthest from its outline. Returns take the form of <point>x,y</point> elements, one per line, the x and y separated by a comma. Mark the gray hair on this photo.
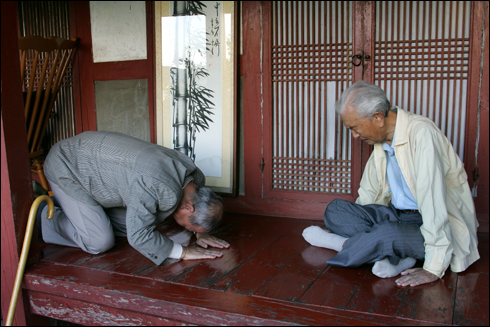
<point>208,209</point>
<point>365,99</point>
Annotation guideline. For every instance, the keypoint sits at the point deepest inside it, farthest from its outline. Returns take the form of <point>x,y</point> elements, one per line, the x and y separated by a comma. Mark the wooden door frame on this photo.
<point>104,71</point>
<point>17,193</point>
<point>476,139</point>
<point>254,67</point>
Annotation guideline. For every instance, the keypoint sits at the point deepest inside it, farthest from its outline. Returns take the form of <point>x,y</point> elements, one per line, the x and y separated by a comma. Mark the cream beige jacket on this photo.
<point>437,179</point>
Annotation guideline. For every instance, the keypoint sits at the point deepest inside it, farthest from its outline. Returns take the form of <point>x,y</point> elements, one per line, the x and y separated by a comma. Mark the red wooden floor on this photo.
<point>269,276</point>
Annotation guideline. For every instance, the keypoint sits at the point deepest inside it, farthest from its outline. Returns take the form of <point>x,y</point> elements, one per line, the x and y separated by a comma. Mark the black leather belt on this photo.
<point>412,211</point>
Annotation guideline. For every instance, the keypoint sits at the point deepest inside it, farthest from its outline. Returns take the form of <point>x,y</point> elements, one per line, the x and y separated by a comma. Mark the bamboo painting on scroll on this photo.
<point>194,100</point>
<point>198,85</point>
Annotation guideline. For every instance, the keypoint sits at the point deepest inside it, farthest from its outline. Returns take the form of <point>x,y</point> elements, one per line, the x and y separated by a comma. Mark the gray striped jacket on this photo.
<point>114,170</point>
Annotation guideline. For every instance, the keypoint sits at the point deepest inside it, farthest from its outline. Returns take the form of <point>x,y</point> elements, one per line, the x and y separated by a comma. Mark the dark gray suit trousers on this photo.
<point>374,232</point>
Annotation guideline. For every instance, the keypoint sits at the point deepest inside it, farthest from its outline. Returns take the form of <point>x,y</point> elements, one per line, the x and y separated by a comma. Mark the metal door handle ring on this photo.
<point>359,57</point>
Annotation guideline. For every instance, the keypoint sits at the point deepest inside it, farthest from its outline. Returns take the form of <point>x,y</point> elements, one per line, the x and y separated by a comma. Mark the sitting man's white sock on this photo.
<point>385,269</point>
<point>321,238</point>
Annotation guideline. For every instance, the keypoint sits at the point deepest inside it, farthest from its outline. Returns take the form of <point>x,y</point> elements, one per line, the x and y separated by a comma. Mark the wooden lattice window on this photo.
<point>422,60</point>
<point>311,67</point>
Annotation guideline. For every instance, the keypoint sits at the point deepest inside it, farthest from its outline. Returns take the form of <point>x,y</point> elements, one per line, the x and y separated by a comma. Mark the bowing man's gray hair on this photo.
<point>365,99</point>
<point>208,209</point>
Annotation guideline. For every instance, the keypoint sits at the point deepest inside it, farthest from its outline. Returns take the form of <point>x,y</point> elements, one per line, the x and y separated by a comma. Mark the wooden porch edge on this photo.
<point>79,295</point>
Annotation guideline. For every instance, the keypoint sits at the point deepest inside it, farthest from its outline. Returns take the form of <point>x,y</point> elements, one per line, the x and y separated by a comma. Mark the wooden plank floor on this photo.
<point>269,276</point>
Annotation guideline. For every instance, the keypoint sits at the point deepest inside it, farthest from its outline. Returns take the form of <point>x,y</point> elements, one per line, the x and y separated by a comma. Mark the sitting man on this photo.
<point>111,184</point>
<point>414,199</point>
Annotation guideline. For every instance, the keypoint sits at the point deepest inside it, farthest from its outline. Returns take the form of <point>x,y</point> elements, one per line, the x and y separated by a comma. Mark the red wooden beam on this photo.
<point>77,96</point>
<point>251,71</point>
<point>482,200</point>
<point>275,207</point>
<point>151,67</point>
<point>87,88</point>
<point>369,38</point>
<point>88,313</point>
<point>113,293</point>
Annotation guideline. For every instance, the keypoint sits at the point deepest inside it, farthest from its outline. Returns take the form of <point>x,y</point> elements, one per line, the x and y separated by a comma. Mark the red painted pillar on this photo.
<point>482,200</point>
<point>16,180</point>
<point>477,127</point>
<point>251,70</point>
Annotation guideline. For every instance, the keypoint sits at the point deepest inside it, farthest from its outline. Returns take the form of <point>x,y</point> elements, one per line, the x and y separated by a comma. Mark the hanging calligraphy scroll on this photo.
<point>196,88</point>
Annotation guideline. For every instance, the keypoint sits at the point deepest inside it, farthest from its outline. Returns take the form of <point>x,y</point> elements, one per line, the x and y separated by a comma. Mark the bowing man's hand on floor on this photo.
<point>204,240</point>
<point>195,253</point>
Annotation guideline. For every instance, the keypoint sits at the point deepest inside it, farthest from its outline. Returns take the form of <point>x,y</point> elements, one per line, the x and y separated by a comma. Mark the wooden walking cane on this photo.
<point>25,252</point>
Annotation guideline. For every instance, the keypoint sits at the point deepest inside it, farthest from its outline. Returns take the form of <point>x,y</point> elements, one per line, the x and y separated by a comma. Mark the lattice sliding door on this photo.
<point>311,67</point>
<point>422,59</point>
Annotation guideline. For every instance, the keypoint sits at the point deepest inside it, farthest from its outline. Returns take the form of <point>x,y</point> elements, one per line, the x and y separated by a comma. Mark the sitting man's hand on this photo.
<point>204,240</point>
<point>195,253</point>
<point>416,276</point>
